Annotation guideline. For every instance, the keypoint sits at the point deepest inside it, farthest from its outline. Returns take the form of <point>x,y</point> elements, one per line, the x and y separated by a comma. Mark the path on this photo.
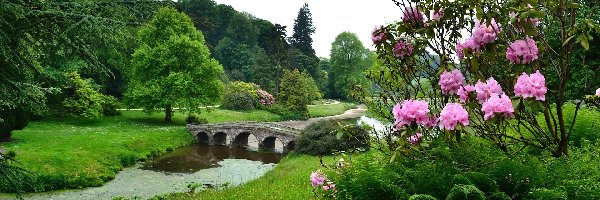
<point>349,114</point>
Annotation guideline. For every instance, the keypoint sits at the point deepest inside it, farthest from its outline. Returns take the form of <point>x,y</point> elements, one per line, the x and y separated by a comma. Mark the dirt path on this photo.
<point>301,124</point>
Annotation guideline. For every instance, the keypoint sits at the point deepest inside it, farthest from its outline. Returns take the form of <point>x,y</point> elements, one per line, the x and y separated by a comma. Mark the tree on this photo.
<point>82,99</point>
<point>294,94</point>
<point>303,29</point>
<point>173,67</point>
<point>237,59</point>
<point>349,59</point>
<point>313,90</point>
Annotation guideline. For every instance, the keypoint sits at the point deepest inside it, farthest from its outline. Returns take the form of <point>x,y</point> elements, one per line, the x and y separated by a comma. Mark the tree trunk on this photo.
<point>168,113</point>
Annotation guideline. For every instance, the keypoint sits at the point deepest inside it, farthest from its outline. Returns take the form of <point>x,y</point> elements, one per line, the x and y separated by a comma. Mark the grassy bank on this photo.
<point>77,153</point>
<point>289,180</point>
<point>322,110</point>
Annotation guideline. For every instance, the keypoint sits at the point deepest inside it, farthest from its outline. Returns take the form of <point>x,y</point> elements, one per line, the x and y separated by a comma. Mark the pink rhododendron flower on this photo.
<point>432,122</point>
<point>497,105</point>
<point>402,49</point>
<point>463,92</point>
<point>533,85</point>
<point>522,51</point>
<point>265,98</point>
<point>437,15</point>
<point>412,14</point>
<point>378,35</point>
<point>411,111</point>
<point>487,89</point>
<point>414,139</point>
<point>452,115</point>
<point>519,23</point>
<point>598,92</point>
<point>329,186</point>
<point>317,178</point>
<point>451,81</point>
<point>484,34</point>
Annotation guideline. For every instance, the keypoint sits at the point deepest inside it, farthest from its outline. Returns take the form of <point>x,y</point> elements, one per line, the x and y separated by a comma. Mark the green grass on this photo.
<point>289,180</point>
<point>77,152</point>
<point>323,110</point>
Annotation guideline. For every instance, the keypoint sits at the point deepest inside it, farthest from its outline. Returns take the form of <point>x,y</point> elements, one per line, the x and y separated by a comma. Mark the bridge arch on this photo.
<point>269,143</point>
<point>241,139</point>
<point>220,138</point>
<point>202,137</point>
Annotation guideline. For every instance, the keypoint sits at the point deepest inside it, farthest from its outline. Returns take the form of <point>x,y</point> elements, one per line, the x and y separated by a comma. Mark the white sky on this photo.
<point>330,17</point>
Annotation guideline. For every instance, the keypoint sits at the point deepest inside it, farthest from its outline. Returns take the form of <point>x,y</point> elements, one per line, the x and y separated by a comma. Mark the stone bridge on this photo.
<point>236,134</point>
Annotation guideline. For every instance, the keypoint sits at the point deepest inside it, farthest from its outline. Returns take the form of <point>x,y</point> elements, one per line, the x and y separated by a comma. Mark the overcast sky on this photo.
<point>330,17</point>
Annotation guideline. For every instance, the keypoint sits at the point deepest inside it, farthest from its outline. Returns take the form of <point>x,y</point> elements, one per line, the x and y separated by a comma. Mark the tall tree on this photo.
<point>303,29</point>
<point>349,59</point>
<point>173,67</point>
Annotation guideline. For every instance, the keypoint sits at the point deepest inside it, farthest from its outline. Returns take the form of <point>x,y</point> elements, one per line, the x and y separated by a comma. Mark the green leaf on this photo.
<point>585,43</point>
<point>567,41</point>
<point>339,135</point>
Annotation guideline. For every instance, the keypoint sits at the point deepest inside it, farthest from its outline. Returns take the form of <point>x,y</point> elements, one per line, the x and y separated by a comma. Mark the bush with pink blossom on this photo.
<point>452,115</point>
<point>451,81</point>
<point>533,85</point>
<point>411,112</point>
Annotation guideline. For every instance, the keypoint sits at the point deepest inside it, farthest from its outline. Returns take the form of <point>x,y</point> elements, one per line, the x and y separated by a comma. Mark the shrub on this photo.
<point>264,98</point>
<point>294,93</point>
<point>320,139</point>
<point>482,181</point>
<point>370,179</point>
<point>460,179</point>
<point>81,97</point>
<point>499,196</point>
<point>544,193</point>
<point>195,119</point>
<point>111,106</point>
<point>421,197</point>
<point>238,101</point>
<point>466,192</point>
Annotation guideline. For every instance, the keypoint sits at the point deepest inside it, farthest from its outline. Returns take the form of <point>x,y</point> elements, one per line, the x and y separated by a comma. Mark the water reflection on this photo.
<point>203,156</point>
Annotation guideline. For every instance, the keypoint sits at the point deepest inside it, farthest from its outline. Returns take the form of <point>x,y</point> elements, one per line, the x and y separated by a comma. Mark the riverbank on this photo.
<point>79,153</point>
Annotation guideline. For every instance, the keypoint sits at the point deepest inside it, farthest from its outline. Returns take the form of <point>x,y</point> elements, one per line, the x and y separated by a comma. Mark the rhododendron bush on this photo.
<point>488,59</point>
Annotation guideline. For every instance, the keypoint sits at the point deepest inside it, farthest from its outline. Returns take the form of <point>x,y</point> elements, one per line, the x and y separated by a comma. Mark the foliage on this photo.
<point>82,99</point>
<point>173,67</point>
<point>320,138</point>
<point>421,197</point>
<point>313,90</point>
<point>241,87</point>
<point>264,98</point>
<point>294,94</point>
<point>349,59</point>
<point>465,192</point>
<point>238,101</point>
<point>509,33</point>
<point>303,29</point>
<point>13,175</point>
<point>195,119</point>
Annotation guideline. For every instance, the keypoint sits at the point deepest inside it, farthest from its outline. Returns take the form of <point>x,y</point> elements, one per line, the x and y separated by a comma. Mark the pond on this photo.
<point>212,166</point>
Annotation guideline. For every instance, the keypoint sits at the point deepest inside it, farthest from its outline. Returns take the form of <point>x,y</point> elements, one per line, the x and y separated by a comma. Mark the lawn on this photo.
<point>322,110</point>
<point>77,152</point>
<point>289,180</point>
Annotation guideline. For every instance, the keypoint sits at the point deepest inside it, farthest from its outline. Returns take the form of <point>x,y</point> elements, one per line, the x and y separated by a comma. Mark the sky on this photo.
<point>330,17</point>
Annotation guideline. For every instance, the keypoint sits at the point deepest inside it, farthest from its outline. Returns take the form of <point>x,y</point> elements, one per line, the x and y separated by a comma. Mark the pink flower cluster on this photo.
<point>414,139</point>
<point>329,186</point>
<point>317,178</point>
<point>463,92</point>
<point>533,85</point>
<point>451,81</point>
<point>411,111</point>
<point>378,35</point>
<point>482,35</point>
<point>598,92</point>
<point>522,51</point>
<point>452,115</point>
<point>265,98</point>
<point>487,89</point>
<point>499,105</point>
<point>402,49</point>
<point>519,23</point>
<point>437,15</point>
<point>412,14</point>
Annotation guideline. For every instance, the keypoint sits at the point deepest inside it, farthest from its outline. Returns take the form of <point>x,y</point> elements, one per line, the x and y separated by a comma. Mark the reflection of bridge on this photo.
<point>236,134</point>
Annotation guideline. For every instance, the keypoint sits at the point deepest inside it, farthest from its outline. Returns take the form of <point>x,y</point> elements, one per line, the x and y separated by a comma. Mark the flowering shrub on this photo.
<point>533,85</point>
<point>452,115</point>
<point>505,45</point>
<point>264,98</point>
